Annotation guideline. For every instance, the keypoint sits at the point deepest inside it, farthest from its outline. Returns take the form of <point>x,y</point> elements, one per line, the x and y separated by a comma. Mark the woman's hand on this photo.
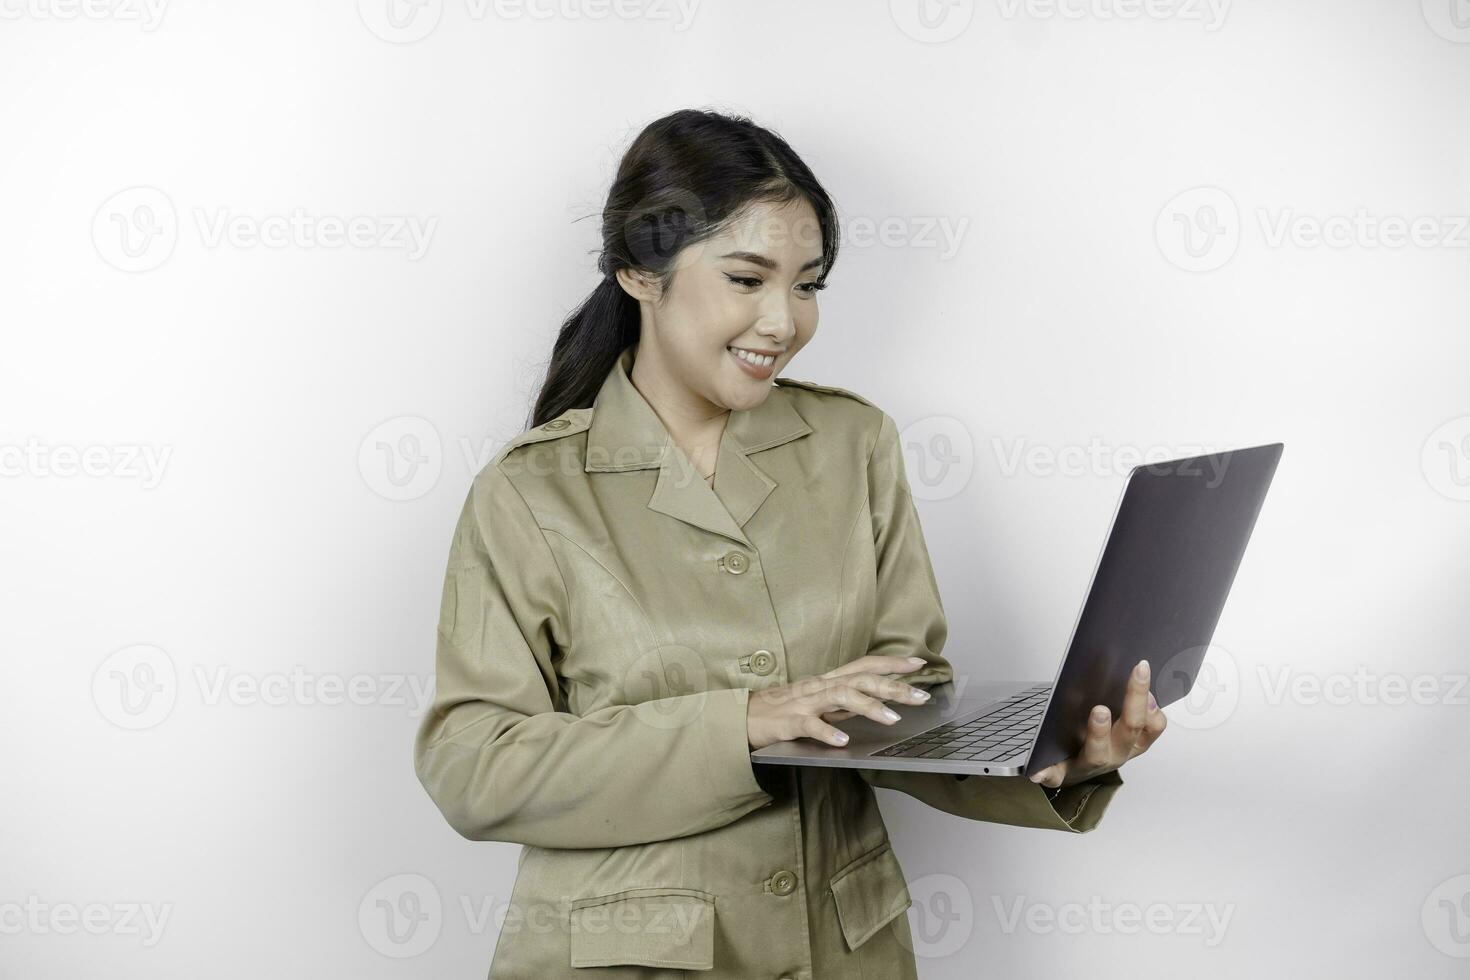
<point>802,709</point>
<point>1109,746</point>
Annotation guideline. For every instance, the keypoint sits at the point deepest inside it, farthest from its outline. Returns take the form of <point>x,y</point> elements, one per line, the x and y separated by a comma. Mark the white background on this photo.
<point>1071,148</point>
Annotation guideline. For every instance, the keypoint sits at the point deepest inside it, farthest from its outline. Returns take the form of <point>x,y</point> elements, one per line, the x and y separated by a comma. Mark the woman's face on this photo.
<point>739,307</point>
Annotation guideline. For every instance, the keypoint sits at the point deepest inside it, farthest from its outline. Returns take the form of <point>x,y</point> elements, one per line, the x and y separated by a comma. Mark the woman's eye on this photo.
<point>750,282</point>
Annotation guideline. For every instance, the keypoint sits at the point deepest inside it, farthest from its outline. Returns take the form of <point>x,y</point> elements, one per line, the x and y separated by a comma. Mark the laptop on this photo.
<point>1158,588</point>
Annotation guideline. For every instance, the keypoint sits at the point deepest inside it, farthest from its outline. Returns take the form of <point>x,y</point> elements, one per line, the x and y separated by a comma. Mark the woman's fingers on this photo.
<point>863,694</point>
<point>810,726</point>
<point>1153,727</point>
<point>1097,747</point>
<point>887,688</point>
<point>848,693</point>
<point>1128,732</point>
<point>1107,745</point>
<point>1051,777</point>
<point>876,664</point>
<point>806,708</point>
<point>858,691</point>
<point>1096,754</point>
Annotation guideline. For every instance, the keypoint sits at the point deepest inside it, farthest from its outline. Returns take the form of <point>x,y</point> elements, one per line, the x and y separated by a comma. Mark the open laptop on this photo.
<point>1160,583</point>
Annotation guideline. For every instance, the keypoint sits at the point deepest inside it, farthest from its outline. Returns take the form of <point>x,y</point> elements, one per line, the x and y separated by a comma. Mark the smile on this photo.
<point>759,360</point>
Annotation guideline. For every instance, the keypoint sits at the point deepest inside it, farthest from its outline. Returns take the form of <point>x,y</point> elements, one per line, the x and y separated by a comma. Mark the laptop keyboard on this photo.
<point>998,735</point>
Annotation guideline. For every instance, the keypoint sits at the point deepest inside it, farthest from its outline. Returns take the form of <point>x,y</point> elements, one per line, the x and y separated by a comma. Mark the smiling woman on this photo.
<point>617,634</point>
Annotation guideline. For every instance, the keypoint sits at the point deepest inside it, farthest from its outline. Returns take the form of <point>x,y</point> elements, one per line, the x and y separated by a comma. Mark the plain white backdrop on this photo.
<point>278,278</point>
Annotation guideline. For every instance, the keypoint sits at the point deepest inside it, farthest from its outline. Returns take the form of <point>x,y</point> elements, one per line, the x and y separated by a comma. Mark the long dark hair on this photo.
<point>683,176</point>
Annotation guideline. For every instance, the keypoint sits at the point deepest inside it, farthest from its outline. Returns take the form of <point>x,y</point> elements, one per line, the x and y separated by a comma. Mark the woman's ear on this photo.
<point>638,284</point>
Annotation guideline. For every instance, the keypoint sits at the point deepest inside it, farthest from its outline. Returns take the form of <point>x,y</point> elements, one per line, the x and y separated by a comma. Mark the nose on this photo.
<point>777,322</point>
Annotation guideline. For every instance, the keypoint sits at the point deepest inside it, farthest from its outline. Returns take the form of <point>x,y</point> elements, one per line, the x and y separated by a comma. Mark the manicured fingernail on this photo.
<point>1152,704</point>
<point>921,695</point>
<point>841,738</point>
<point>890,714</point>
<point>1099,714</point>
<point>917,660</point>
<point>1141,671</point>
<point>1038,777</point>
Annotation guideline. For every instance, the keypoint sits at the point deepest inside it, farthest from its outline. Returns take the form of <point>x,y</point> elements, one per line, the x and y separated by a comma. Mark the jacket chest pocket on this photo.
<point>660,927</point>
<point>870,892</point>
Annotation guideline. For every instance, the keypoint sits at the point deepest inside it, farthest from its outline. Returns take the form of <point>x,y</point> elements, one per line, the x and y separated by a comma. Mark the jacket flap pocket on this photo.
<point>870,892</point>
<point>667,927</point>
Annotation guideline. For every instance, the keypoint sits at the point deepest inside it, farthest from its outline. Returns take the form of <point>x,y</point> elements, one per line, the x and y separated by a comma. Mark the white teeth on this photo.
<point>759,360</point>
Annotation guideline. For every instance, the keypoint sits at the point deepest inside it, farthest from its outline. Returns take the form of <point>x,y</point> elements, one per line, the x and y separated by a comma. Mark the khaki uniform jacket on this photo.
<point>605,617</point>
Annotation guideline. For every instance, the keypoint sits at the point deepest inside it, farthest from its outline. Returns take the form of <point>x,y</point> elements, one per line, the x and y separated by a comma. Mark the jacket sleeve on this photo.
<point>497,751</point>
<point>910,621</point>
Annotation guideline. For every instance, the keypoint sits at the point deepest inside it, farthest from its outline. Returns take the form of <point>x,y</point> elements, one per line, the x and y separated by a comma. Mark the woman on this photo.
<point>682,561</point>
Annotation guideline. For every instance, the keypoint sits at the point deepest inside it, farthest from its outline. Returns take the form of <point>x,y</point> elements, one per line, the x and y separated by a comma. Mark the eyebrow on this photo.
<point>765,263</point>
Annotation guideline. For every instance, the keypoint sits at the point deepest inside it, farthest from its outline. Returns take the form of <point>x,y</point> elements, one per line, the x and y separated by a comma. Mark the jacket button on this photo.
<point>783,883</point>
<point>556,424</point>
<point>735,563</point>
<point>762,662</point>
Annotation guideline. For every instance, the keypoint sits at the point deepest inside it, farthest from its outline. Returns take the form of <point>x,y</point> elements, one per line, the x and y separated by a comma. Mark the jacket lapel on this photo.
<point>626,434</point>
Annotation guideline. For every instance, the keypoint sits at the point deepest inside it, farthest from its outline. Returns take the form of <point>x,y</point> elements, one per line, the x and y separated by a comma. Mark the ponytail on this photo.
<point>586,348</point>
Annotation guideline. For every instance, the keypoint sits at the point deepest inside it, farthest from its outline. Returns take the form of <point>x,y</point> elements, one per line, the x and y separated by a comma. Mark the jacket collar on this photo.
<point>626,434</point>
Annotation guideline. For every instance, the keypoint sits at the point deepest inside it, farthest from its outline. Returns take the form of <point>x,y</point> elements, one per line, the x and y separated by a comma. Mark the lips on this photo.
<point>760,368</point>
<point>754,356</point>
